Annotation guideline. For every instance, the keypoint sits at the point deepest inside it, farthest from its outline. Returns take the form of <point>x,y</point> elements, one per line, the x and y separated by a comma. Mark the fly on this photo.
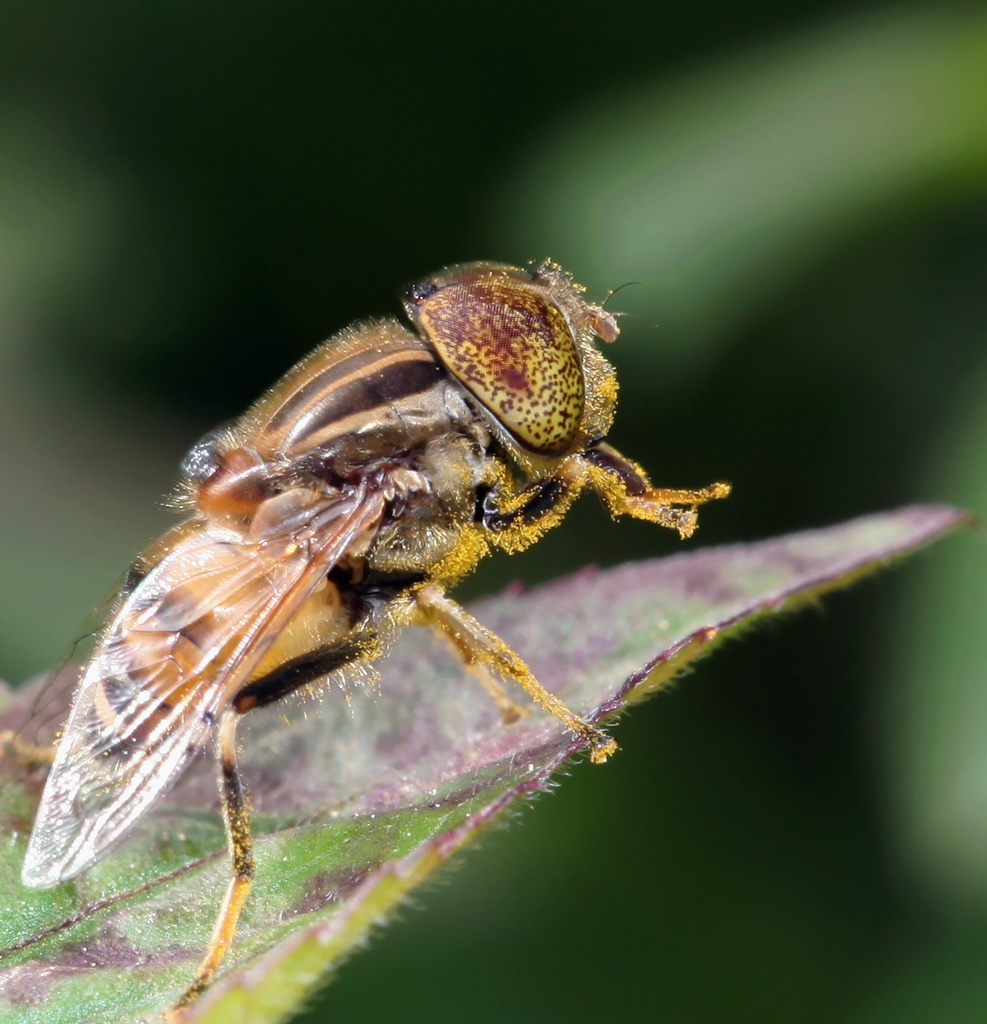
<point>340,508</point>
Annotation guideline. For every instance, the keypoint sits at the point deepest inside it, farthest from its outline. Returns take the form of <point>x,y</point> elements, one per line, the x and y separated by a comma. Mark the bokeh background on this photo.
<point>192,195</point>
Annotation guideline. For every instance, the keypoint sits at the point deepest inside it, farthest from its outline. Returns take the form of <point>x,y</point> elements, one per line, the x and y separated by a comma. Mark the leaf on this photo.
<point>357,804</point>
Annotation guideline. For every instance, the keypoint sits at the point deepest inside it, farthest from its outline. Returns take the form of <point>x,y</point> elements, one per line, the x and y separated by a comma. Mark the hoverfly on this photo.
<point>338,509</point>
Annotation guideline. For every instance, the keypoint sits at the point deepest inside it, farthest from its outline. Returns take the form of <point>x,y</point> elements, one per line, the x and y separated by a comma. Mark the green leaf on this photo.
<point>355,805</point>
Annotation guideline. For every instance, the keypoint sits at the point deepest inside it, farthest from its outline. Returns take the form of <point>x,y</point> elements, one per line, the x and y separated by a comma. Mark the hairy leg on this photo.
<point>479,646</point>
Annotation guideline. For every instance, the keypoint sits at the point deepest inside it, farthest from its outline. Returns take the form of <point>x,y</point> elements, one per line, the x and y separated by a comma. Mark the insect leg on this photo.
<point>306,668</point>
<point>236,812</point>
<point>625,489</point>
<point>30,756</point>
<point>510,710</point>
<point>514,519</point>
<point>479,646</point>
<point>524,509</point>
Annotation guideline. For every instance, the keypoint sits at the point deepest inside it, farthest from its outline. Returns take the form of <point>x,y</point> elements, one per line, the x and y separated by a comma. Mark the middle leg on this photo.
<point>479,646</point>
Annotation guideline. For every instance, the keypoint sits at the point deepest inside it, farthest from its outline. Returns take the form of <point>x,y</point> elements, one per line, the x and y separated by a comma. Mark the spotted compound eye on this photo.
<point>511,346</point>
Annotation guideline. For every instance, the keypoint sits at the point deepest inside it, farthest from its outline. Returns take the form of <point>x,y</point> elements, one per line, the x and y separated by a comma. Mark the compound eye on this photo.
<point>497,331</point>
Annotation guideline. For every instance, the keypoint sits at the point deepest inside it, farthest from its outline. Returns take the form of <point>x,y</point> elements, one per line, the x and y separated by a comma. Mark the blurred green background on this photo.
<point>192,195</point>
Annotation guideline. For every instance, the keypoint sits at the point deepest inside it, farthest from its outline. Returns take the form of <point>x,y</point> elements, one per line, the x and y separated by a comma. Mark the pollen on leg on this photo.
<point>601,748</point>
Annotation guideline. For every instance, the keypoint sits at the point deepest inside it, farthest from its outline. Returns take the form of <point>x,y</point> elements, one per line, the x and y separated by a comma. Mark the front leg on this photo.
<point>626,490</point>
<point>514,519</point>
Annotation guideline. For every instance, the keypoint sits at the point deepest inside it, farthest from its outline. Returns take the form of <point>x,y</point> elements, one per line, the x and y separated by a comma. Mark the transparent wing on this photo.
<point>176,651</point>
